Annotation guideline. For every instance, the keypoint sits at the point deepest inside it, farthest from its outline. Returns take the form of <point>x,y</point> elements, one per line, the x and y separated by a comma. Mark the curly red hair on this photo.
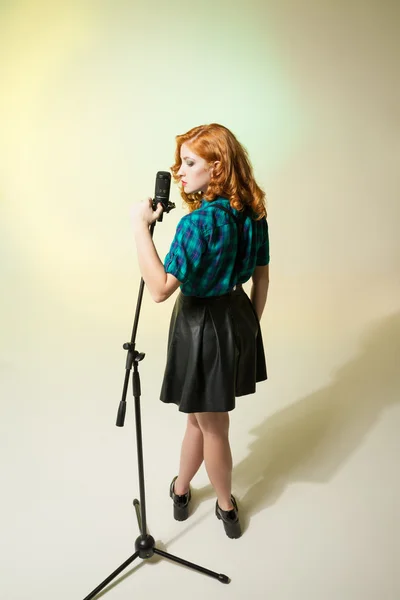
<point>232,178</point>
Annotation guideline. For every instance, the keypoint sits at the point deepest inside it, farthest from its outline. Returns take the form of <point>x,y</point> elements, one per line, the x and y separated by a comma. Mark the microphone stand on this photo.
<point>145,543</point>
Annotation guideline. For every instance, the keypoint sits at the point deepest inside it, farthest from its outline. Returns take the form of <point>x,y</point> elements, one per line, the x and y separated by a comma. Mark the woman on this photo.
<point>215,348</point>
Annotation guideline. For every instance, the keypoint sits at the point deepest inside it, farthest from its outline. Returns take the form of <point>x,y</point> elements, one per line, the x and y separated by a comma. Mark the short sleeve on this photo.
<point>184,256</point>
<point>263,249</point>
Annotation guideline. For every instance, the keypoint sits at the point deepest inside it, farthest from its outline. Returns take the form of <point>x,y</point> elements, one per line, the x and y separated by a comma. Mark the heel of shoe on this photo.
<point>181,503</point>
<point>231,525</point>
<point>181,513</point>
<point>233,530</point>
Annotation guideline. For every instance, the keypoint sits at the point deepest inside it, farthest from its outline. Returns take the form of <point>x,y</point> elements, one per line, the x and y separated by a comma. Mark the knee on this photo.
<point>192,422</point>
<point>214,424</point>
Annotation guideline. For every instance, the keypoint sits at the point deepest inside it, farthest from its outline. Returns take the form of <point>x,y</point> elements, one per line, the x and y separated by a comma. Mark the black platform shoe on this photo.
<point>181,503</point>
<point>230,519</point>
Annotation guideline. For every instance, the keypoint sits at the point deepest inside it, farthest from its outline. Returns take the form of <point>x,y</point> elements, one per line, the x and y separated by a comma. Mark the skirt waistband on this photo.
<point>211,299</point>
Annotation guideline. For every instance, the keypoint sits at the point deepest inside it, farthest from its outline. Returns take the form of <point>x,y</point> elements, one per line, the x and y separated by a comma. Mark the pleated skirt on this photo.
<point>215,352</point>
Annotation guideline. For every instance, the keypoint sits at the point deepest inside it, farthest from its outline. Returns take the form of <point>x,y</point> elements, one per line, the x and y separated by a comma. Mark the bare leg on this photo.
<point>217,454</point>
<point>191,455</point>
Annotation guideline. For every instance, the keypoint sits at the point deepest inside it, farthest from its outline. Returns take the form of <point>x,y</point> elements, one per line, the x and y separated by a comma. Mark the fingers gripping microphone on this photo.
<point>161,194</point>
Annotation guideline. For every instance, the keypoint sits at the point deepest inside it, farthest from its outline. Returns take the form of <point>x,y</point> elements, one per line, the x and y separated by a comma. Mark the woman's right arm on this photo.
<point>259,289</point>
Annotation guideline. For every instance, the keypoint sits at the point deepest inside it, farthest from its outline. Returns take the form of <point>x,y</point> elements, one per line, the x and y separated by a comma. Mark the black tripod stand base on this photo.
<point>145,548</point>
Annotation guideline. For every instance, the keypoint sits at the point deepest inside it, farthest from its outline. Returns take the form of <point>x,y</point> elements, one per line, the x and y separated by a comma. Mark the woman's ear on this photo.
<point>214,165</point>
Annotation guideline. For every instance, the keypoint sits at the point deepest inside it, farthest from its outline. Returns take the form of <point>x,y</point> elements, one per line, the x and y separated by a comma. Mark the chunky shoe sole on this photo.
<point>230,520</point>
<point>181,503</point>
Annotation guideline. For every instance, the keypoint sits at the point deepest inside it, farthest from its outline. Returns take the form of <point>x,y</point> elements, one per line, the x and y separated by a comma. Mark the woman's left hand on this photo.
<point>143,212</point>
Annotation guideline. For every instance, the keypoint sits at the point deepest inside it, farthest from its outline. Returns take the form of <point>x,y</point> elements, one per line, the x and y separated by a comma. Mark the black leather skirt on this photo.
<point>215,352</point>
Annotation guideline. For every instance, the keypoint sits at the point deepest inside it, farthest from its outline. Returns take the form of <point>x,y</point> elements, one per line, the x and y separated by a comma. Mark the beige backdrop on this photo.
<point>92,95</point>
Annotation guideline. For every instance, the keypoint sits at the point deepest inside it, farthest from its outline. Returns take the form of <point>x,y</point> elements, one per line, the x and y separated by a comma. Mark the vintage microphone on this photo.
<point>145,543</point>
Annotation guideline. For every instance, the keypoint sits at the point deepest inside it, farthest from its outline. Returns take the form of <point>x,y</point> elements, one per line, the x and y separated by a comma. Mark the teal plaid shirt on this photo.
<point>204,250</point>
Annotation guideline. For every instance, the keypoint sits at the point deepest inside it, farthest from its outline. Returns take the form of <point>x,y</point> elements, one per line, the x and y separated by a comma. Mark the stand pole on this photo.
<point>145,544</point>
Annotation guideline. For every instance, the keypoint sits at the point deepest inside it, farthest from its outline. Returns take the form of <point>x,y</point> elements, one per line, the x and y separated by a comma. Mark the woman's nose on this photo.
<point>181,172</point>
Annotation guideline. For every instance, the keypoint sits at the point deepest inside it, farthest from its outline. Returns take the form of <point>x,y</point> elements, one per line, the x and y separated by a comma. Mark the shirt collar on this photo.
<point>206,202</point>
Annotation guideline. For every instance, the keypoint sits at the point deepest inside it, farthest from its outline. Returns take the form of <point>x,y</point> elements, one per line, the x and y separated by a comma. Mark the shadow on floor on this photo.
<point>312,438</point>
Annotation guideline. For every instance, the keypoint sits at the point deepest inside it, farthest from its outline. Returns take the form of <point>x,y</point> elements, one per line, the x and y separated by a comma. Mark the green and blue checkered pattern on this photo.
<point>204,250</point>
